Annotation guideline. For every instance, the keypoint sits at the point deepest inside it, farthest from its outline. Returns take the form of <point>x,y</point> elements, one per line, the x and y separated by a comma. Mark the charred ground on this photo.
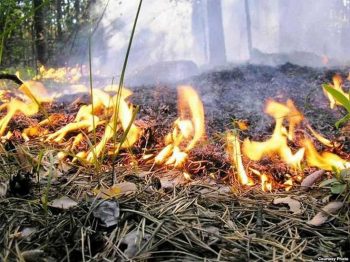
<point>188,222</point>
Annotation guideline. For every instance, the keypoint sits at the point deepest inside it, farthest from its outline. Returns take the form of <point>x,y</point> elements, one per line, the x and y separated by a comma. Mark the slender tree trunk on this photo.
<point>77,10</point>
<point>59,19</point>
<point>249,27</point>
<point>217,53</point>
<point>198,29</point>
<point>39,26</point>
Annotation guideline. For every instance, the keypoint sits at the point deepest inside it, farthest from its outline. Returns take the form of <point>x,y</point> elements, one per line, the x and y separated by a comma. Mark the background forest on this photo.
<point>207,32</point>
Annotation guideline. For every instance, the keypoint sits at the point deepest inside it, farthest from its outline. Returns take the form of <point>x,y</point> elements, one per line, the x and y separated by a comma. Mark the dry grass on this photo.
<point>197,222</point>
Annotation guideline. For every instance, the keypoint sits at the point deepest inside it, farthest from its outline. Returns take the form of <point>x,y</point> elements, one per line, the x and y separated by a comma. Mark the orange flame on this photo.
<point>277,144</point>
<point>122,116</point>
<point>337,84</point>
<point>62,74</point>
<point>320,138</point>
<point>88,117</point>
<point>325,160</point>
<point>188,129</point>
<point>234,151</point>
<point>31,91</point>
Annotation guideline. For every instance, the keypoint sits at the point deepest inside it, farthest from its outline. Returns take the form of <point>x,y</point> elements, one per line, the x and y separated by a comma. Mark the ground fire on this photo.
<point>290,141</point>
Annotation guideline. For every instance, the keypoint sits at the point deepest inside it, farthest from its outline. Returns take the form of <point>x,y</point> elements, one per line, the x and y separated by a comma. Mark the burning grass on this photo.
<point>209,197</point>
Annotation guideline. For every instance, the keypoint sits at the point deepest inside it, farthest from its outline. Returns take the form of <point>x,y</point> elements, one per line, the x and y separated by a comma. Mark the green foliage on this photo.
<point>17,37</point>
<point>339,184</point>
<point>343,100</point>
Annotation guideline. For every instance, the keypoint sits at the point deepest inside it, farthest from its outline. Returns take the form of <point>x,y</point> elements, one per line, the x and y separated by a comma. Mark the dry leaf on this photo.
<point>63,203</point>
<point>33,255</point>
<point>107,212</point>
<point>134,240</point>
<point>293,204</point>
<point>311,179</point>
<point>3,189</point>
<point>116,190</point>
<point>322,216</point>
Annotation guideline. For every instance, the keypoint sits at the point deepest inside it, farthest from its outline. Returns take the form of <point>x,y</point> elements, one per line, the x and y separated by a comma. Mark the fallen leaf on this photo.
<point>322,216</point>
<point>33,255</point>
<point>63,203</point>
<point>210,234</point>
<point>3,189</point>
<point>293,204</point>
<point>27,232</point>
<point>311,179</point>
<point>134,240</point>
<point>338,188</point>
<point>116,190</point>
<point>108,212</point>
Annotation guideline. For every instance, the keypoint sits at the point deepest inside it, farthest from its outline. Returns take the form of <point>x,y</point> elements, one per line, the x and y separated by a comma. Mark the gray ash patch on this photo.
<point>241,93</point>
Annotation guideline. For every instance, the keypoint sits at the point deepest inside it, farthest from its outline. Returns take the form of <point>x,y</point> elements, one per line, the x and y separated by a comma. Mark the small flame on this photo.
<point>288,184</point>
<point>320,138</point>
<point>88,117</point>
<point>337,84</point>
<point>188,129</point>
<point>278,143</point>
<point>34,94</point>
<point>60,75</point>
<point>266,184</point>
<point>234,151</point>
<point>325,160</point>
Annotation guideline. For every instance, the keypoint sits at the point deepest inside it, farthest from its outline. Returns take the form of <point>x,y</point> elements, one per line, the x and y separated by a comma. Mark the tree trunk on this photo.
<point>217,53</point>
<point>39,27</point>
<point>249,27</point>
<point>59,19</point>
<point>77,10</point>
<point>198,29</point>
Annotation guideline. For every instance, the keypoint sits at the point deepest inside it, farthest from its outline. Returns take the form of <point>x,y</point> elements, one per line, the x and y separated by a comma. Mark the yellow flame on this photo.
<point>62,74</point>
<point>288,184</point>
<point>188,129</point>
<point>278,143</point>
<point>31,91</point>
<point>122,115</point>
<point>319,137</point>
<point>266,184</point>
<point>325,160</point>
<point>234,151</point>
<point>337,84</point>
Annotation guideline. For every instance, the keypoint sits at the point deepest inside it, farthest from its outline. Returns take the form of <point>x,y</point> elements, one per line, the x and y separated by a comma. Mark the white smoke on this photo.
<point>172,30</point>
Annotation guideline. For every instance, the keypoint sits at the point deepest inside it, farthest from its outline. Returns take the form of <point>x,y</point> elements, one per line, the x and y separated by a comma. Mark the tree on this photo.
<point>59,19</point>
<point>249,27</point>
<point>39,27</point>
<point>217,53</point>
<point>198,28</point>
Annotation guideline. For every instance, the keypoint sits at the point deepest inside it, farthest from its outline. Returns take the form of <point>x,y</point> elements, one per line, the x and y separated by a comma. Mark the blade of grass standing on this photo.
<point>91,91</point>
<point>121,83</point>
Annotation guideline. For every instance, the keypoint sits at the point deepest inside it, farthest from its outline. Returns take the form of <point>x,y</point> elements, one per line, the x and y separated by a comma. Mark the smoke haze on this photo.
<point>205,33</point>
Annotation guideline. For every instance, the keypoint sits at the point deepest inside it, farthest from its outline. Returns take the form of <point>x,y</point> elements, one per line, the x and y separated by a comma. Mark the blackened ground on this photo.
<point>241,93</point>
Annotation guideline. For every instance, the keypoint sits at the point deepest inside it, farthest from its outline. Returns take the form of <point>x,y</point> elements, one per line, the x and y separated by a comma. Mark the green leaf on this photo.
<point>338,188</point>
<point>345,174</point>
<point>327,182</point>
<point>342,120</point>
<point>338,96</point>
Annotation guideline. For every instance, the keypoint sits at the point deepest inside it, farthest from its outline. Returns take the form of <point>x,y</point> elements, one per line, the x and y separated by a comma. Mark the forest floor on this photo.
<point>157,215</point>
